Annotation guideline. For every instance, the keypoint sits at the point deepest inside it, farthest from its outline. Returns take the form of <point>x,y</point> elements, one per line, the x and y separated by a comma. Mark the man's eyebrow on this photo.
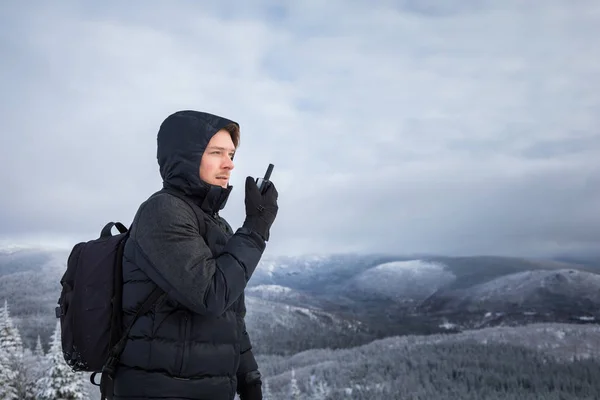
<point>222,148</point>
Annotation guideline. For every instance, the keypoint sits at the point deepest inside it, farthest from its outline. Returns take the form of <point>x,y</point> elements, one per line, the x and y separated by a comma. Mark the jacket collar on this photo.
<point>210,198</point>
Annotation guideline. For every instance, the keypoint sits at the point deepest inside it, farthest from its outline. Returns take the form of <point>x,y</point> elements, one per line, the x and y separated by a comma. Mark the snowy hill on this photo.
<point>534,289</point>
<point>275,293</point>
<point>30,281</point>
<point>282,329</point>
<point>563,293</point>
<point>388,295</point>
<point>392,277</point>
<point>316,274</point>
<point>401,281</point>
<point>286,295</point>
<point>17,259</point>
<point>396,295</point>
<point>538,361</point>
<point>474,270</point>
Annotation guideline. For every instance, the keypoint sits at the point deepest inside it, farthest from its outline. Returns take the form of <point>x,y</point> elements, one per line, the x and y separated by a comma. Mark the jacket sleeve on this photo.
<point>248,374</point>
<point>172,253</point>
<point>247,360</point>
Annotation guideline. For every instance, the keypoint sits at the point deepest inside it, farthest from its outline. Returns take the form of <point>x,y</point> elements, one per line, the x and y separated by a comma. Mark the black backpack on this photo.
<point>90,304</point>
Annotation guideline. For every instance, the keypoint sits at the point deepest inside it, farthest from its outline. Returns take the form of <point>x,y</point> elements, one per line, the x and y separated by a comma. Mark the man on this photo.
<point>193,344</point>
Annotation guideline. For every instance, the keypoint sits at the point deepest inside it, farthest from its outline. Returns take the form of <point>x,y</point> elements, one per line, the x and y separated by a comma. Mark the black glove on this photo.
<point>261,209</point>
<point>251,392</point>
<point>249,385</point>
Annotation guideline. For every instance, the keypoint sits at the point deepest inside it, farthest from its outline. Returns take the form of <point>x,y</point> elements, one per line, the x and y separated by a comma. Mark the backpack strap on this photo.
<point>108,371</point>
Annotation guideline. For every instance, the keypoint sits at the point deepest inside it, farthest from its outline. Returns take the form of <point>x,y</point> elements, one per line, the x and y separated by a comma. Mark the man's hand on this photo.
<point>261,208</point>
<point>249,386</point>
<point>251,392</point>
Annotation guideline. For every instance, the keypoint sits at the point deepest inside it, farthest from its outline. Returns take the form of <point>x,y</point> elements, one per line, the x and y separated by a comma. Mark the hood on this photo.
<point>181,141</point>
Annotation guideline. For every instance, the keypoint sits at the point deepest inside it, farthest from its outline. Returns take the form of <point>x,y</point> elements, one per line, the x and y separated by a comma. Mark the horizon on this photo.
<point>7,248</point>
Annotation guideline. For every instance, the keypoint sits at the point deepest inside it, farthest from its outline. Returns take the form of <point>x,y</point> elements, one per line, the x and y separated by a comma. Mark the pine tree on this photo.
<point>60,381</point>
<point>320,390</point>
<point>266,393</point>
<point>39,350</point>
<point>33,369</point>
<point>10,339</point>
<point>38,365</point>
<point>11,344</point>
<point>294,389</point>
<point>7,378</point>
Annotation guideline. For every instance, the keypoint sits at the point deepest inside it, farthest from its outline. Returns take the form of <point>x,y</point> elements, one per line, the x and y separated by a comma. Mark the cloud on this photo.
<point>458,128</point>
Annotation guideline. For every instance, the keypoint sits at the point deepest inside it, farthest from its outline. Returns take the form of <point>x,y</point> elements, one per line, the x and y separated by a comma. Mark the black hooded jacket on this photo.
<point>193,344</point>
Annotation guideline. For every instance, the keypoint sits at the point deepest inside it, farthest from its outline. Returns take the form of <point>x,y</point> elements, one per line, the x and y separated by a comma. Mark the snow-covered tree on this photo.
<point>60,381</point>
<point>37,365</point>
<point>10,339</point>
<point>7,378</point>
<point>12,345</point>
<point>313,387</point>
<point>265,390</point>
<point>39,350</point>
<point>320,389</point>
<point>33,368</point>
<point>294,389</point>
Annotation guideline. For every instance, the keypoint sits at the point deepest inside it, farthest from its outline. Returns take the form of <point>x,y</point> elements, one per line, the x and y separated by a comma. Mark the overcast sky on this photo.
<point>459,127</point>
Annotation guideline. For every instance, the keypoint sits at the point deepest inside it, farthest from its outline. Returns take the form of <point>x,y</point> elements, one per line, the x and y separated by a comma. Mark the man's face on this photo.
<point>217,163</point>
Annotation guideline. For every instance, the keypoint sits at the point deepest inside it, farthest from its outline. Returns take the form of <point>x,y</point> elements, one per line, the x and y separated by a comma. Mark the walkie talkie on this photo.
<point>263,182</point>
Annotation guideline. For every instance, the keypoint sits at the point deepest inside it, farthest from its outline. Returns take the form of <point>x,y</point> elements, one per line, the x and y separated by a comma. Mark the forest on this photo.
<point>413,368</point>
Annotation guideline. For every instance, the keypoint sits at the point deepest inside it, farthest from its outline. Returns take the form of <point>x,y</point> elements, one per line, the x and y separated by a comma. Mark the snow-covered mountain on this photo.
<point>401,295</point>
<point>519,287</point>
<point>314,273</point>
<point>327,295</point>
<point>281,328</point>
<point>534,289</point>
<point>294,297</point>
<point>30,281</point>
<point>275,293</point>
<point>401,281</point>
<point>392,277</point>
<point>562,293</point>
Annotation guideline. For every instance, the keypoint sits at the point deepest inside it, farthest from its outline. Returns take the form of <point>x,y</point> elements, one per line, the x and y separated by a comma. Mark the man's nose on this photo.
<point>228,164</point>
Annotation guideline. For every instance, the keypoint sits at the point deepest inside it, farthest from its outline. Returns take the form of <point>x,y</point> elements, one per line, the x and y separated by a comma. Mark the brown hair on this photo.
<point>234,131</point>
